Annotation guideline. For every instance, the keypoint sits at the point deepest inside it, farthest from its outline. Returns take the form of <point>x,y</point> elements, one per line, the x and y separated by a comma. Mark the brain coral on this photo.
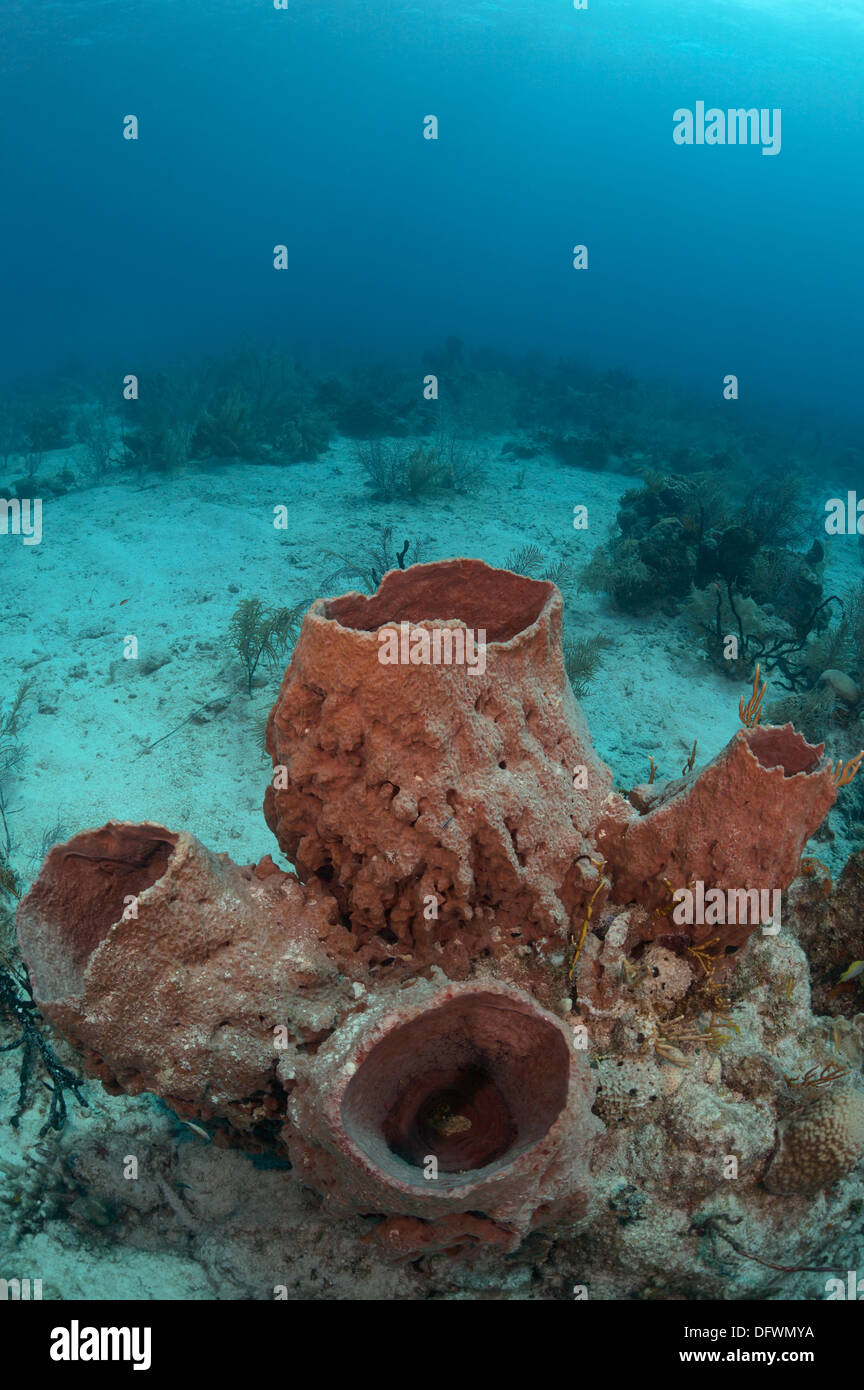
<point>819,1144</point>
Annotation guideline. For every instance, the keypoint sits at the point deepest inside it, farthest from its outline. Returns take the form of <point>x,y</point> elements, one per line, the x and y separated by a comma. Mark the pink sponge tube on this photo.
<point>467,1098</point>
<point>170,967</point>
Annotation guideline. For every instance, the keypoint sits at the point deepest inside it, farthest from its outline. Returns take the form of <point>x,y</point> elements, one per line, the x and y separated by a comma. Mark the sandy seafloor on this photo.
<point>168,559</point>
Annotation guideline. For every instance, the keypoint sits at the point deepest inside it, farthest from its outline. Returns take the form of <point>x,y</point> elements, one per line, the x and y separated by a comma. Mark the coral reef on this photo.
<point>829,925</point>
<point>680,535</point>
<point>398,1018</point>
<point>671,535</point>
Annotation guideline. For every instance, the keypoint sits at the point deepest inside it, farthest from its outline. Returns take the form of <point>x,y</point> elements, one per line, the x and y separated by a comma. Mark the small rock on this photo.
<point>843,686</point>
<point>152,661</point>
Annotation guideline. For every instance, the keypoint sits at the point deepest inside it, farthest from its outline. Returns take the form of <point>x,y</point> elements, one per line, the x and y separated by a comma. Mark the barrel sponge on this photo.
<point>742,823</point>
<point>170,966</point>
<point>445,1099</point>
<point>819,1144</point>
<point>399,784</point>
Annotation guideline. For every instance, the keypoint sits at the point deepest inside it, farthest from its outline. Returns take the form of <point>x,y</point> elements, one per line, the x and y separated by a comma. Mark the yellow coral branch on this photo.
<point>819,1076</point>
<point>584,932</point>
<point>844,773</point>
<point>751,713</point>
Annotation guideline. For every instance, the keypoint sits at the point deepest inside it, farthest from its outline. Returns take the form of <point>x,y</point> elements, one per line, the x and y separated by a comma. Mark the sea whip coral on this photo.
<point>448,825</point>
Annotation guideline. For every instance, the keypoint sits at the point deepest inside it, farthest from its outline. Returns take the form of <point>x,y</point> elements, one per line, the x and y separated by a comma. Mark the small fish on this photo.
<point>852,972</point>
<point>196,1129</point>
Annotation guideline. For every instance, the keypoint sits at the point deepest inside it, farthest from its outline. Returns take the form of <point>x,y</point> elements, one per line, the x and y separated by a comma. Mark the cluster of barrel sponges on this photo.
<point>396,1015</point>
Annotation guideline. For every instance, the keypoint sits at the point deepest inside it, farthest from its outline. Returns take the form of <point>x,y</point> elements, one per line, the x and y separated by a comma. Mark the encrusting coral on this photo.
<point>397,1016</point>
<point>819,1143</point>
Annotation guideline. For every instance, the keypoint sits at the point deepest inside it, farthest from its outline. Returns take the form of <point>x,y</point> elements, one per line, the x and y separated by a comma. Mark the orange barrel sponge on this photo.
<point>740,825</point>
<point>432,768</point>
<point>445,1099</point>
<point>172,968</point>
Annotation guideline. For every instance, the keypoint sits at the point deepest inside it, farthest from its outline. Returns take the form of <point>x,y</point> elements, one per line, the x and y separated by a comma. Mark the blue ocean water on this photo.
<point>303,126</point>
<point>297,292</point>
